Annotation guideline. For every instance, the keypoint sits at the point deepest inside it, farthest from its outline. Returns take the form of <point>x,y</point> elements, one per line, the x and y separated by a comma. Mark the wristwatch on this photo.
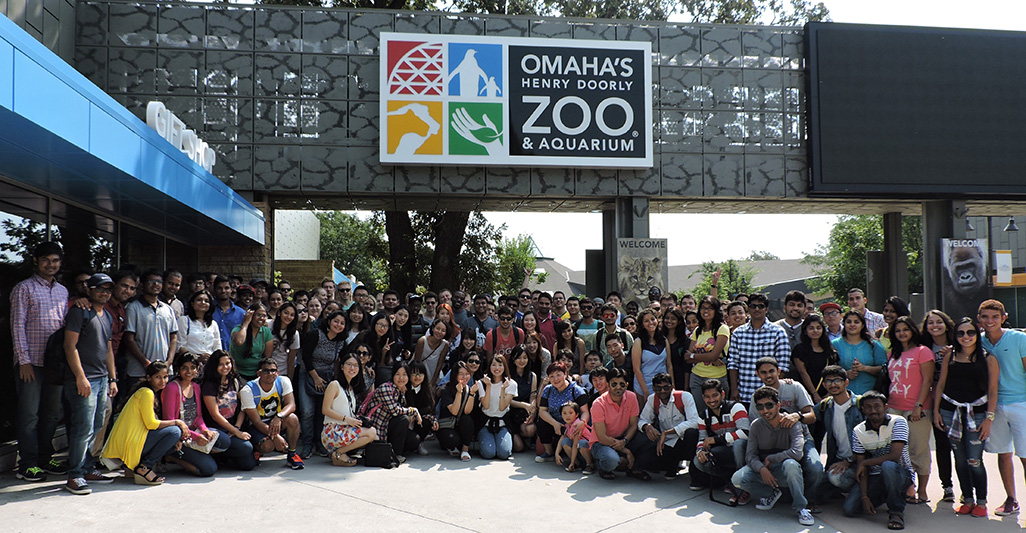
<point>111,380</point>
<point>990,415</point>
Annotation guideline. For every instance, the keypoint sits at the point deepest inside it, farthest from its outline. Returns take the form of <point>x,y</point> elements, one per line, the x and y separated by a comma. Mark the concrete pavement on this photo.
<point>437,493</point>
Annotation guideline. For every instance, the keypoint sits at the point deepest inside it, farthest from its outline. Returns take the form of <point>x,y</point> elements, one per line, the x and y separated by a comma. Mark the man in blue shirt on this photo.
<point>1008,421</point>
<point>226,314</point>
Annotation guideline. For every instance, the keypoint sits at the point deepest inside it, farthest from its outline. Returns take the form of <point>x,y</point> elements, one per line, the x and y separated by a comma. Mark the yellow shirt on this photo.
<point>708,341</point>
<point>137,419</point>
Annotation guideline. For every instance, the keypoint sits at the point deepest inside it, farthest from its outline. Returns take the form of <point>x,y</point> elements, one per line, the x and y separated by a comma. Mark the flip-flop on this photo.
<point>895,521</point>
<point>916,500</point>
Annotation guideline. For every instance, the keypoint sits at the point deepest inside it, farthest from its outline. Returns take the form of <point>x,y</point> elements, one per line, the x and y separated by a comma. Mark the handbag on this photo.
<point>450,422</point>
<point>494,425</point>
<point>883,380</point>
<point>202,448</point>
<point>379,454</point>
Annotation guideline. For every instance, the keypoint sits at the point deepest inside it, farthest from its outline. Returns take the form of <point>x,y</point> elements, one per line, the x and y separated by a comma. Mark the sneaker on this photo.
<point>695,485</point>
<point>1010,507</point>
<point>294,461</point>
<point>588,470</point>
<point>980,511</point>
<point>767,503</point>
<point>965,508</point>
<point>56,468</point>
<point>544,458</point>
<point>949,494</point>
<point>32,473</point>
<point>421,450</point>
<point>96,477</point>
<point>454,452</point>
<point>78,486</point>
<point>805,518</point>
<point>400,459</point>
<point>671,474</point>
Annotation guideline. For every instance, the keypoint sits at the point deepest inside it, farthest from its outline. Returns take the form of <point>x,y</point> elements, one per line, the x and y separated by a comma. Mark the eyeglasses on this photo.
<point>831,313</point>
<point>757,306</point>
<point>834,381</point>
<point>662,387</point>
<point>268,370</point>
<point>154,282</point>
<point>351,364</point>
<point>618,385</point>
<point>963,332</point>
<point>765,406</point>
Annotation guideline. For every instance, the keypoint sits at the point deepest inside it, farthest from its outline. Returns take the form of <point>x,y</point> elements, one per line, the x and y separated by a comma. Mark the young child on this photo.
<point>592,361</point>
<point>574,438</point>
<point>566,357</point>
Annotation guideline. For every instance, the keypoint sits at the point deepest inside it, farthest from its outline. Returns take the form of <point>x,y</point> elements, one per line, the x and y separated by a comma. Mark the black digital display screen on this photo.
<point>915,112</point>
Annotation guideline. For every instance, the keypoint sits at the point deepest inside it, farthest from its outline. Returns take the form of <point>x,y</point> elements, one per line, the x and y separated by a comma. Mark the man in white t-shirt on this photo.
<point>276,408</point>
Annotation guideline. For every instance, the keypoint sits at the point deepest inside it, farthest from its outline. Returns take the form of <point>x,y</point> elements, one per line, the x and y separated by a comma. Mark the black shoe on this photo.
<point>33,474</point>
<point>606,475</point>
<point>56,468</point>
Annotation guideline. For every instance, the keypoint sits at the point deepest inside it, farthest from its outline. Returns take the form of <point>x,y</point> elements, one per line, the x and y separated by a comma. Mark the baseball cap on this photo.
<point>829,305</point>
<point>97,280</point>
<point>245,288</point>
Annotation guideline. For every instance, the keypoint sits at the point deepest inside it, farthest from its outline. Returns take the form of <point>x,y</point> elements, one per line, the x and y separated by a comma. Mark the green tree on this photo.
<point>761,255</point>
<point>21,237</point>
<point>775,12</point>
<point>515,262</point>
<point>356,246</point>
<point>735,277</point>
<point>841,263</point>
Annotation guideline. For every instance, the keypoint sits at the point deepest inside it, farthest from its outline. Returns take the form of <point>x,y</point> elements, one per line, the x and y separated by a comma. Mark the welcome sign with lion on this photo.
<point>641,264</point>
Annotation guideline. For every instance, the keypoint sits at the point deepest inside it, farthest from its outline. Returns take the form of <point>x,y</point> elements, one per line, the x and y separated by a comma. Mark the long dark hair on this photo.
<point>899,305</point>
<point>248,344</point>
<point>290,330</point>
<point>561,327</point>
<point>643,332</point>
<point>357,384</point>
<point>863,333</point>
<point>404,333</point>
<point>824,339</point>
<point>210,374</point>
<point>152,369</point>
<point>682,327</point>
<point>896,347</point>
<point>325,322</point>
<point>375,343</point>
<point>979,351</point>
<point>451,385</point>
<point>717,319</point>
<point>949,327</point>
<point>208,317</point>
<point>360,325</point>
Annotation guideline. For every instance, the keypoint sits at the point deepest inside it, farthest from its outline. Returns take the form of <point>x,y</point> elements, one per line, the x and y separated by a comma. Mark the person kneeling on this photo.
<point>615,418</point>
<point>269,404</point>
<point>343,431</point>
<point>774,452</point>
<point>722,440</point>
<point>884,469</point>
<point>669,428</point>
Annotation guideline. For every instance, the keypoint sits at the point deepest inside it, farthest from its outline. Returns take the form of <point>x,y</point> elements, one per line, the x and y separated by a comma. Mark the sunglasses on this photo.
<point>268,370</point>
<point>618,385</point>
<point>362,352</point>
<point>662,387</point>
<point>964,332</point>
<point>757,306</point>
<point>473,361</point>
<point>765,406</point>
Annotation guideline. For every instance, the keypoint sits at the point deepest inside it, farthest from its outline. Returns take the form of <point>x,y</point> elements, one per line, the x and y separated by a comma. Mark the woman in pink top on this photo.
<point>910,368</point>
<point>181,400</point>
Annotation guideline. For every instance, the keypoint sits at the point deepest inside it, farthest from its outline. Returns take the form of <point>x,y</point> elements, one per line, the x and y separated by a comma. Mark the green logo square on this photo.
<point>476,129</point>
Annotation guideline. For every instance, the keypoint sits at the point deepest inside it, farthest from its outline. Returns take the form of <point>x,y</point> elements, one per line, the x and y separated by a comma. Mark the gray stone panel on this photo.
<point>364,81</point>
<point>764,175</point>
<point>227,120</point>
<point>725,87</point>
<point>463,180</point>
<point>229,73</point>
<point>508,27</point>
<point>643,181</point>
<point>551,28</point>
<point>461,25</point>
<point>721,47</point>
<point>278,75</point>
<point>325,76</point>
<point>325,169</point>
<point>132,70</point>
<point>682,174</point>
<point>724,131</point>
<point>417,22</point>
<point>90,22</point>
<point>418,179</point>
<point>180,71</point>
<point>596,31</point>
<point>512,181</point>
<point>681,87</point>
<point>764,89</point>
<point>763,48</point>
<point>276,168</point>
<point>552,181</point>
<point>324,122</point>
<point>796,174</point>
<point>234,165</point>
<point>724,175</point>
<point>181,26</point>
<point>366,175</point>
<point>277,121</point>
<point>363,123</point>
<point>91,61</point>
<point>595,182</point>
<point>364,29</point>
<point>230,28</point>
<point>765,132</point>
<point>279,30</point>
<point>325,32</point>
<point>132,25</point>
<point>793,48</point>
<point>680,45</point>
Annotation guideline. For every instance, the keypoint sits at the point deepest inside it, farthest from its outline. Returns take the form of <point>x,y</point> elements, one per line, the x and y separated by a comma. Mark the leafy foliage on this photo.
<point>515,261</point>
<point>356,246</point>
<point>761,255</point>
<point>841,263</point>
<point>775,12</point>
<point>735,277</point>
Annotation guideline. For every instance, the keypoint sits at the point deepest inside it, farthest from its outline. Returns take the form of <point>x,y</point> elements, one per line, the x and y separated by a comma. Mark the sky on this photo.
<point>776,233</point>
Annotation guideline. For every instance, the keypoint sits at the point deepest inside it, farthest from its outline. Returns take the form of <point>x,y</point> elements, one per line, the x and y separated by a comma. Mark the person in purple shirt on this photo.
<point>38,305</point>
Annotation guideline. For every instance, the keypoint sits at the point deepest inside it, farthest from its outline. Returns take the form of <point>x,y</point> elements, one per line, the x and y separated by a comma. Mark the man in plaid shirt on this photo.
<point>749,342</point>
<point>38,305</point>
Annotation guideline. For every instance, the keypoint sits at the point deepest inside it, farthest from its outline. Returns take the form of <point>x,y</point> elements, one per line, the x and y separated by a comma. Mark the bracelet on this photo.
<point>990,415</point>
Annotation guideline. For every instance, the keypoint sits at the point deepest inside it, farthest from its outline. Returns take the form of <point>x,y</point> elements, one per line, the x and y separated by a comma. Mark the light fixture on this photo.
<point>1011,225</point>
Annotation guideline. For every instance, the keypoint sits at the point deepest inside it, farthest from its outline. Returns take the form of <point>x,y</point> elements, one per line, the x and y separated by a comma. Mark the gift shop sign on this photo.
<point>461,100</point>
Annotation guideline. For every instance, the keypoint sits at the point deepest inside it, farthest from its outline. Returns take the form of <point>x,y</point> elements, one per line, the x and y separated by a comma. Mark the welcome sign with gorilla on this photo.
<point>964,276</point>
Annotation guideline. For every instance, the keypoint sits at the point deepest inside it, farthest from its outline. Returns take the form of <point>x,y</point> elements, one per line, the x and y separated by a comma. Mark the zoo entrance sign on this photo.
<point>464,100</point>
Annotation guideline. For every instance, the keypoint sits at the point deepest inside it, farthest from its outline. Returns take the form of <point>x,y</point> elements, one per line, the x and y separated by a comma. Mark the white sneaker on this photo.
<point>421,450</point>
<point>805,518</point>
<point>765,504</point>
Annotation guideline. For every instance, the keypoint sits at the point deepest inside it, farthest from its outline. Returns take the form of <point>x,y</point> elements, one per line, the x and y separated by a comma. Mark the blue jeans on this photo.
<point>239,455</point>
<point>788,474</point>
<point>158,443</point>
<point>605,457</point>
<point>495,444</point>
<point>39,411</point>
<point>969,458</point>
<point>311,418</point>
<point>204,463</point>
<point>738,448</point>
<point>85,420</point>
<point>888,486</point>
<point>812,469</point>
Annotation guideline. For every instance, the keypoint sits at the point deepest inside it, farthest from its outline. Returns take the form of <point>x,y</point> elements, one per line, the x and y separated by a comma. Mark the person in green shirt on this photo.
<point>252,341</point>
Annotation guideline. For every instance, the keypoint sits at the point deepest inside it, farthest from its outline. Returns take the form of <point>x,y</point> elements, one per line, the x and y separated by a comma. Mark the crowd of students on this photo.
<point>233,371</point>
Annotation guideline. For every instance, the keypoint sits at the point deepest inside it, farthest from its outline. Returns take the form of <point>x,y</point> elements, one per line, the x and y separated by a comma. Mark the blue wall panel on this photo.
<point>113,142</point>
<point>6,83</point>
<point>45,99</point>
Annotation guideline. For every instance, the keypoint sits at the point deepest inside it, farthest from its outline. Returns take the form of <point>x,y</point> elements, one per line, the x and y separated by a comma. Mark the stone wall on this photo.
<point>304,275</point>
<point>246,261</point>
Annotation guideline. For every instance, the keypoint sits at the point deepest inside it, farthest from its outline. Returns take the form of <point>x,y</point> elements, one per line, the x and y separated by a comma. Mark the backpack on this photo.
<point>495,336</point>
<point>678,400</point>
<point>601,332</point>
<point>254,387</point>
<point>55,360</point>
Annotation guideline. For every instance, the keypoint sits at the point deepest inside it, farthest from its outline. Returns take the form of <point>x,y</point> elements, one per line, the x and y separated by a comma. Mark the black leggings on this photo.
<point>400,436</point>
<point>546,433</point>
<point>943,452</point>
<point>456,438</point>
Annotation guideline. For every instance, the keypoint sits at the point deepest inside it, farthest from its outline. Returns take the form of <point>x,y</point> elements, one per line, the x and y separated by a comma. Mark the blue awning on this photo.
<point>61,134</point>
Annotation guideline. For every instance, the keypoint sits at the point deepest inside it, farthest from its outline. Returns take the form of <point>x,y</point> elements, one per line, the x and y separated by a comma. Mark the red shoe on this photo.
<point>980,511</point>
<point>968,508</point>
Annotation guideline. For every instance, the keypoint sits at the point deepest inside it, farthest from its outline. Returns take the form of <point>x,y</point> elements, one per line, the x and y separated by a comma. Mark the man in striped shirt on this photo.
<point>722,438</point>
<point>38,305</point>
<point>884,471</point>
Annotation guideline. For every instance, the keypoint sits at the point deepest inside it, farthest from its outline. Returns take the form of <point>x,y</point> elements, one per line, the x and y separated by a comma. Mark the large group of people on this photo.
<point>207,372</point>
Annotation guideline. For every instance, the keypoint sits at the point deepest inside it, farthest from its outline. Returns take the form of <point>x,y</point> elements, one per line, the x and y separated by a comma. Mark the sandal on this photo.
<point>916,500</point>
<point>337,460</point>
<point>606,475</point>
<point>639,474</point>
<point>896,521</point>
<point>146,476</point>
